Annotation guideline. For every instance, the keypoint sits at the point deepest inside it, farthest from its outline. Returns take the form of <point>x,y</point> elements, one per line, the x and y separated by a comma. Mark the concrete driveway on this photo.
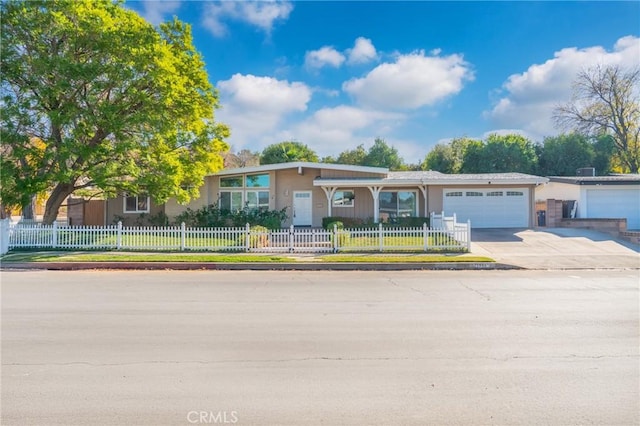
<point>555,248</point>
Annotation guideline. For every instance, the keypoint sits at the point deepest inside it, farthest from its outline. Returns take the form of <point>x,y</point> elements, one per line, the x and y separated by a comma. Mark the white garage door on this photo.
<point>489,208</point>
<point>615,203</point>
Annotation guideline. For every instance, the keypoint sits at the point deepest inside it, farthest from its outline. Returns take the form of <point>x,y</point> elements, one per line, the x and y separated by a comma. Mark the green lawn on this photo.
<point>142,257</point>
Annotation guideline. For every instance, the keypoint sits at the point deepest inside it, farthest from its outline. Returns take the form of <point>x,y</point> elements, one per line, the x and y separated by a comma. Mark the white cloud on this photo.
<point>326,55</point>
<point>261,14</point>
<point>330,131</point>
<point>363,51</point>
<point>254,106</point>
<point>156,11</point>
<point>412,81</point>
<point>532,95</point>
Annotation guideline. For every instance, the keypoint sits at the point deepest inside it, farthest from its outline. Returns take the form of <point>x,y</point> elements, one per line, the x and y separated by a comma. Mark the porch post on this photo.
<point>423,189</point>
<point>329,192</point>
<point>375,193</point>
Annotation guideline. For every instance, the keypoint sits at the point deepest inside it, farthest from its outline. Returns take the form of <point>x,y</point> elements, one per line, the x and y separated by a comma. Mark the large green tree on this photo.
<point>449,157</point>
<point>500,154</point>
<point>562,155</point>
<point>354,157</point>
<point>606,100</point>
<point>93,95</point>
<point>287,152</point>
<point>380,154</point>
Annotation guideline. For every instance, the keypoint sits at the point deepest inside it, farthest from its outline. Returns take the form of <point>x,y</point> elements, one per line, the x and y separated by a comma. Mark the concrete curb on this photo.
<point>259,266</point>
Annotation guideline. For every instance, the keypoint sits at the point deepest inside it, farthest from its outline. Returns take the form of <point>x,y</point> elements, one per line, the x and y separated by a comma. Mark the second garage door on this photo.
<point>615,203</point>
<point>489,208</point>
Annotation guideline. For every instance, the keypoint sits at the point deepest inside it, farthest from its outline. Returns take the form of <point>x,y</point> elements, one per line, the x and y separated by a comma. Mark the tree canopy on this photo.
<point>95,96</point>
<point>449,157</point>
<point>380,154</point>
<point>606,100</point>
<point>287,152</point>
<point>562,155</point>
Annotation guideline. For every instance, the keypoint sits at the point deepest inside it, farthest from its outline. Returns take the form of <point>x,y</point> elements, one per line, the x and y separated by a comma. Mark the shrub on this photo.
<point>408,222</point>
<point>343,236</point>
<point>213,217</point>
<point>259,237</point>
<point>349,222</point>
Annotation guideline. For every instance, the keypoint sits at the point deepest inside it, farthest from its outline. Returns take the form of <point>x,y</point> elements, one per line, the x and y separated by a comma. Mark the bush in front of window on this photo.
<point>213,217</point>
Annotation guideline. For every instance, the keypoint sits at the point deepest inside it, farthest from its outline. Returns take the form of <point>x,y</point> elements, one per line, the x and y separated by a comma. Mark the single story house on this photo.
<point>311,191</point>
<point>610,197</point>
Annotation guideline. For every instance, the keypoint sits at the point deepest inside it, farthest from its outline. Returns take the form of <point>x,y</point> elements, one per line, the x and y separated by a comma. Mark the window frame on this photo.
<point>257,191</point>
<point>350,205</point>
<point>231,191</point>
<point>137,202</point>
<point>415,207</point>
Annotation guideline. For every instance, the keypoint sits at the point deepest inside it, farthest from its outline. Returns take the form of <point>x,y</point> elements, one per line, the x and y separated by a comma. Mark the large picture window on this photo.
<point>136,203</point>
<point>397,204</point>
<point>343,198</point>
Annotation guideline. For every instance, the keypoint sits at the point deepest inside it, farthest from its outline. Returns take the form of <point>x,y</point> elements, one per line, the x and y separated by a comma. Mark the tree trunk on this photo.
<point>57,197</point>
<point>29,209</point>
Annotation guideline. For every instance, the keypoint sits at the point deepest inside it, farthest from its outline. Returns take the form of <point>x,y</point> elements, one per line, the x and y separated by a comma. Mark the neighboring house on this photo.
<point>611,197</point>
<point>311,191</point>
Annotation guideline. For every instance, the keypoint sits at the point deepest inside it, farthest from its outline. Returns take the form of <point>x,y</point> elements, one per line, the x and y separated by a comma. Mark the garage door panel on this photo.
<point>615,203</point>
<point>489,208</point>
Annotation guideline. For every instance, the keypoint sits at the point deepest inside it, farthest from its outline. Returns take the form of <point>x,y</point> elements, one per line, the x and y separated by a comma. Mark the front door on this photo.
<point>302,208</point>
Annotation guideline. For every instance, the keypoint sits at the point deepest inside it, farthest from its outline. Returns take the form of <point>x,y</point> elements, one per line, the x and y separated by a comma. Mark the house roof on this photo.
<point>615,179</point>
<point>434,178</point>
<point>303,164</point>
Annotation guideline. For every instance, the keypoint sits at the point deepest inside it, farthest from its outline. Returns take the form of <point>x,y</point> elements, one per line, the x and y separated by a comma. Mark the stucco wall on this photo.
<point>557,191</point>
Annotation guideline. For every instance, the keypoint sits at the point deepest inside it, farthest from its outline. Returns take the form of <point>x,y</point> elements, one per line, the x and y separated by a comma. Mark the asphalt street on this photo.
<point>296,348</point>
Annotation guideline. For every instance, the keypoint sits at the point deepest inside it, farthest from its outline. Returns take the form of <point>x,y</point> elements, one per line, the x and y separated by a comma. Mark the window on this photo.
<point>258,199</point>
<point>454,194</point>
<point>343,198</point>
<point>231,182</point>
<point>230,200</point>
<point>397,204</point>
<point>258,181</point>
<point>515,193</point>
<point>474,194</point>
<point>494,194</point>
<point>136,203</point>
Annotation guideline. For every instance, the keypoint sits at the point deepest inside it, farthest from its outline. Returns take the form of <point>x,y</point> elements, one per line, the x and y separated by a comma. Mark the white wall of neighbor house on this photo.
<point>557,191</point>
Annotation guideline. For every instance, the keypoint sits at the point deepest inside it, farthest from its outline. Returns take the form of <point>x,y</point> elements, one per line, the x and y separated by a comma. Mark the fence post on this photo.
<point>119,236</point>
<point>54,235</point>
<point>183,236</point>
<point>381,236</point>
<point>425,235</point>
<point>4,236</point>
<point>291,231</point>
<point>469,235</point>
<point>248,237</point>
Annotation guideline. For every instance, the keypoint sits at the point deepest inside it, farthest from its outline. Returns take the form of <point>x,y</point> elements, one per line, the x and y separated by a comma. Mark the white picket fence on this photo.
<point>450,236</point>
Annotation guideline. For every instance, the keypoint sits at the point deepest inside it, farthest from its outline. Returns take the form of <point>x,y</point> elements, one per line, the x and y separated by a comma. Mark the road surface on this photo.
<point>296,348</point>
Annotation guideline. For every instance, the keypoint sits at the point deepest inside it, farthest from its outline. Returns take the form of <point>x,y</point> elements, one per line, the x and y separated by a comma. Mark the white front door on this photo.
<point>302,208</point>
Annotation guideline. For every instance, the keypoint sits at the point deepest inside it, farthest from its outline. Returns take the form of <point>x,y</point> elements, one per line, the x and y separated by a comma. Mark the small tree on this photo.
<point>606,100</point>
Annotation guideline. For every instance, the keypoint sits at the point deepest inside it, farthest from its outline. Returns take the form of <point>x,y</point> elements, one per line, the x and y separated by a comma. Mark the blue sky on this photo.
<point>334,75</point>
